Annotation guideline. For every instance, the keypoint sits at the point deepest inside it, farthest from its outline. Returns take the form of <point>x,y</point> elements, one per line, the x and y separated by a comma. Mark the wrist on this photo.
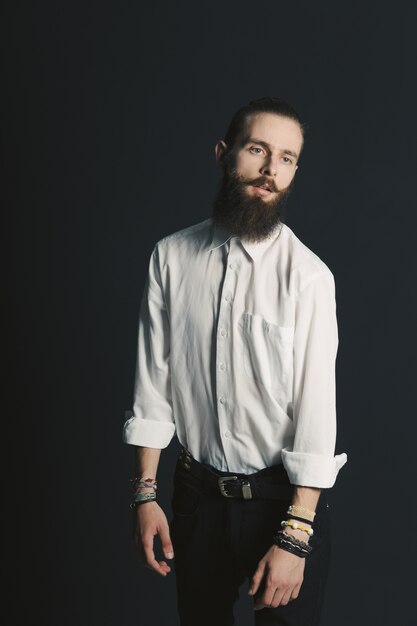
<point>144,490</point>
<point>146,506</point>
<point>290,543</point>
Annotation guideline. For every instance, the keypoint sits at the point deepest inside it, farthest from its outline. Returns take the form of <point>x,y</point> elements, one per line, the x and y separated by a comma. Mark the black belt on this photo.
<point>270,483</point>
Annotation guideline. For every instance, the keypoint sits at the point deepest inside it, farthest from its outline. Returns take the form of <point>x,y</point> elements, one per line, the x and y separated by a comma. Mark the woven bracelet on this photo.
<point>297,542</point>
<point>302,511</point>
<point>288,547</point>
<point>141,498</point>
<point>292,544</point>
<point>283,538</point>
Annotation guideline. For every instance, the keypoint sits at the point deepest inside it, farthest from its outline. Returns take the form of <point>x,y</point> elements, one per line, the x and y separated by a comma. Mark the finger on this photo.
<point>164,565</point>
<point>295,592</point>
<point>272,595</point>
<point>256,579</point>
<point>150,557</point>
<point>286,597</point>
<point>166,543</point>
<point>266,599</point>
<point>140,549</point>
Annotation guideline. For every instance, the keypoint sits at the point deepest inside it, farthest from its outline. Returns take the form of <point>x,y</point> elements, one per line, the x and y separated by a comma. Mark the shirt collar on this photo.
<point>219,237</point>
<point>254,249</point>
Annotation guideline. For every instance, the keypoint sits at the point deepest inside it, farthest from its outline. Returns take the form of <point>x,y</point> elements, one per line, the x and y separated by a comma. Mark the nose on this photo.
<point>269,168</point>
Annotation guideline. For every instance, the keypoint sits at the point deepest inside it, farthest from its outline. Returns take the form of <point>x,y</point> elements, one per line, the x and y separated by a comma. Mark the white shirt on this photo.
<point>236,353</point>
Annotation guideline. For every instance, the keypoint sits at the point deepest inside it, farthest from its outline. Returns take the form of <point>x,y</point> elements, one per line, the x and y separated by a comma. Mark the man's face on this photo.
<point>269,151</point>
<point>257,175</point>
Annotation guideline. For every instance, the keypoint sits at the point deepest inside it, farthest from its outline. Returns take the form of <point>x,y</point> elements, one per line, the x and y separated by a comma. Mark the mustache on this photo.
<point>262,180</point>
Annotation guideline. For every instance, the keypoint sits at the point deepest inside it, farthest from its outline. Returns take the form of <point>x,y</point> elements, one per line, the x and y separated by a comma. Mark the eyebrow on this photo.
<point>265,144</point>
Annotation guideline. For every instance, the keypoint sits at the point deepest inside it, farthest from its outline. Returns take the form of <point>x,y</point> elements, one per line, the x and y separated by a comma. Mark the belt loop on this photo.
<point>246,490</point>
<point>185,459</point>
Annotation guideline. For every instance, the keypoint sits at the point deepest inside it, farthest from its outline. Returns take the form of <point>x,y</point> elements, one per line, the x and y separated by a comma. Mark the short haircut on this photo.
<point>240,119</point>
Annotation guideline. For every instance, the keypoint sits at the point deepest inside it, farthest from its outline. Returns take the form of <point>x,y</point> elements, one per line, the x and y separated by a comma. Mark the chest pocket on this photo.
<point>268,353</point>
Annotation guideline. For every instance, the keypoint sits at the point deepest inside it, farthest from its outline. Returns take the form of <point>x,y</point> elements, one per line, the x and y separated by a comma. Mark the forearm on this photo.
<point>307,497</point>
<point>149,519</point>
<point>146,461</point>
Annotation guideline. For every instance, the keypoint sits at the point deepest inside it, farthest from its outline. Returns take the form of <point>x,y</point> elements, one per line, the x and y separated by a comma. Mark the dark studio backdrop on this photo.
<point>110,114</point>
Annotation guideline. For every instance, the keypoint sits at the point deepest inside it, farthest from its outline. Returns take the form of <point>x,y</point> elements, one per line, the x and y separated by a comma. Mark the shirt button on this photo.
<point>222,399</point>
<point>222,367</point>
<point>232,266</point>
<point>223,332</point>
<point>228,297</point>
<point>227,434</point>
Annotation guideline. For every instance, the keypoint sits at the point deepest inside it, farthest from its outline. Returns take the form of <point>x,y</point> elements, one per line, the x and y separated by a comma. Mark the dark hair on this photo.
<point>262,105</point>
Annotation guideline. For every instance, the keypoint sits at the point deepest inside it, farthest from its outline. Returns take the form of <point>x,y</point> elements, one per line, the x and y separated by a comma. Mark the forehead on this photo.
<point>280,132</point>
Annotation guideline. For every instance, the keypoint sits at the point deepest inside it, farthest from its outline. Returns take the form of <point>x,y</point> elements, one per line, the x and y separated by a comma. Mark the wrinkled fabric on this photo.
<point>237,346</point>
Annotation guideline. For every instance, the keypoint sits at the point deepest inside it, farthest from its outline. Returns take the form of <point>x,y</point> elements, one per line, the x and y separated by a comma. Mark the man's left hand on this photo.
<point>284,574</point>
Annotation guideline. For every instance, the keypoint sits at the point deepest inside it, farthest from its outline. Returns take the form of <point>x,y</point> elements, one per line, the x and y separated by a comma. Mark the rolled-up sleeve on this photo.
<point>152,424</point>
<point>311,461</point>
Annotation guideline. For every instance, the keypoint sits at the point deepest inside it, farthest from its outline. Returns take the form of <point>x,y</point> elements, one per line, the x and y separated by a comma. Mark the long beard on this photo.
<point>247,217</point>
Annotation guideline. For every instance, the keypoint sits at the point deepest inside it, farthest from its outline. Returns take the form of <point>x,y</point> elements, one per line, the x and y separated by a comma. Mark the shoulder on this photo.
<point>185,241</point>
<point>305,265</point>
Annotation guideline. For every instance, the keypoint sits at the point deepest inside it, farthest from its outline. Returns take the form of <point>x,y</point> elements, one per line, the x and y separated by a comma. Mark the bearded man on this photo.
<point>237,348</point>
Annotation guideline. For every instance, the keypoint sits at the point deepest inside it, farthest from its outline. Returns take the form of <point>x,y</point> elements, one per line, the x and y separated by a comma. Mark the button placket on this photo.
<point>223,350</point>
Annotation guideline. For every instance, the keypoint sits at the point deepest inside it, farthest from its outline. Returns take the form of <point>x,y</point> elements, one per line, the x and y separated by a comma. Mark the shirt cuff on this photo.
<point>312,470</point>
<point>148,433</point>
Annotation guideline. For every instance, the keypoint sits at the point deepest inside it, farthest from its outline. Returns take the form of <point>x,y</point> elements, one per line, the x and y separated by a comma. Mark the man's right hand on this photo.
<point>150,520</point>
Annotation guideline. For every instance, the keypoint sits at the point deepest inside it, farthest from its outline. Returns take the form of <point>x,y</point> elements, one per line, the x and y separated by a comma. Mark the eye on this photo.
<point>255,150</point>
<point>287,160</point>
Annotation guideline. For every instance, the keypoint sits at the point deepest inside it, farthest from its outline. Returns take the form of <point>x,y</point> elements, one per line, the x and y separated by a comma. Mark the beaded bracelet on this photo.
<point>143,483</point>
<point>297,526</point>
<point>138,479</point>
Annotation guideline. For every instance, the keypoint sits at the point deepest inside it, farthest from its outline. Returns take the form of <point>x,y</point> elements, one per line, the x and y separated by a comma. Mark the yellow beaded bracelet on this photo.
<point>296,525</point>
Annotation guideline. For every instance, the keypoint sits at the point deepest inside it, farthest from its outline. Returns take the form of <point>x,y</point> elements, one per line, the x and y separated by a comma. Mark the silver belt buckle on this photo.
<point>246,490</point>
<point>222,481</point>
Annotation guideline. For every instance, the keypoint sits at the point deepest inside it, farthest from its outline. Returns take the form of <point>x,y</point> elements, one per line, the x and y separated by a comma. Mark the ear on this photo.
<point>219,150</point>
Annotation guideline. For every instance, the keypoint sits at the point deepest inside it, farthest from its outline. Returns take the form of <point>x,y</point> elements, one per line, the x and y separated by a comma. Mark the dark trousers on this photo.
<point>218,542</point>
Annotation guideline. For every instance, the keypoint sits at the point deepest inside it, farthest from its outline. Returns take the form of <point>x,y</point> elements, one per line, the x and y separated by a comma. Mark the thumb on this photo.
<point>167,547</point>
<point>256,579</point>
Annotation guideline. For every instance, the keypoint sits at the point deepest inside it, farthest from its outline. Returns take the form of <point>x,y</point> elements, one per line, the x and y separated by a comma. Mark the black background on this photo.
<point>110,113</point>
